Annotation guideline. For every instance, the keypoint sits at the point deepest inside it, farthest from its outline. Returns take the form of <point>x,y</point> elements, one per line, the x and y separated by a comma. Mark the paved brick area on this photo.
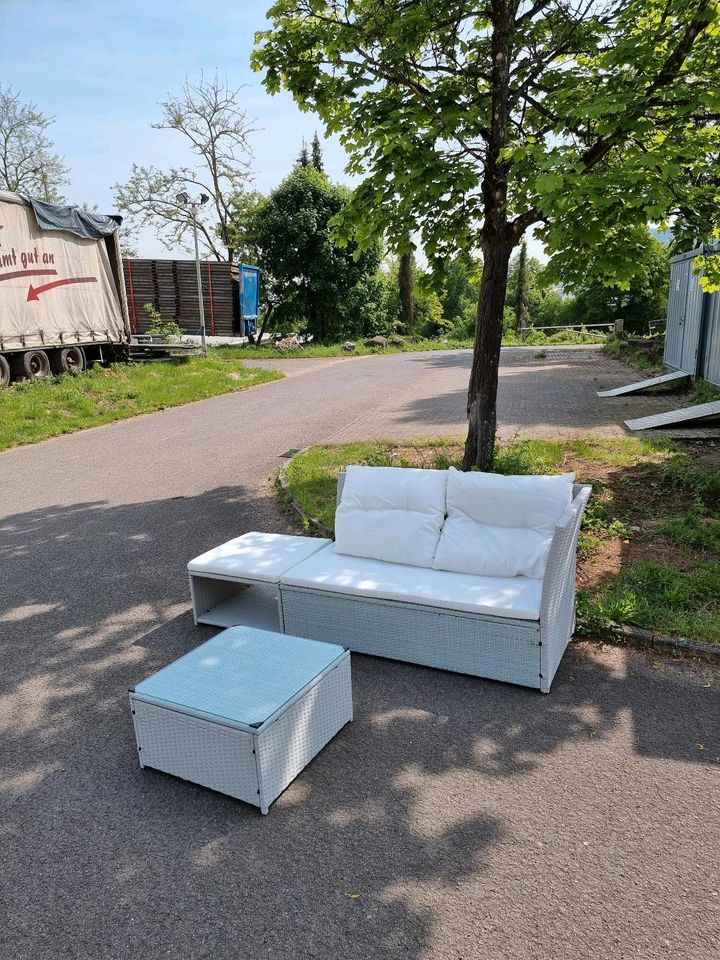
<point>541,393</point>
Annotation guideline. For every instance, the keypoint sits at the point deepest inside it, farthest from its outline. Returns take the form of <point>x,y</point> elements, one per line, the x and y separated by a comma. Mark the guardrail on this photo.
<point>577,326</point>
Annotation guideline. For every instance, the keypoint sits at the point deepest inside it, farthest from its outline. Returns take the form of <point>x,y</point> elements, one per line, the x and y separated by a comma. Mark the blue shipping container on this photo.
<point>249,297</point>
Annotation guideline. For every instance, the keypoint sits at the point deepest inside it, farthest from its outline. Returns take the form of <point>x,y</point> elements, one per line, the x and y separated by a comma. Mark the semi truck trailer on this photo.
<point>62,293</point>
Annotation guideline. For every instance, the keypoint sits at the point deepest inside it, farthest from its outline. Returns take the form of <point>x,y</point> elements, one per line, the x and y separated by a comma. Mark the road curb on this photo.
<point>648,638</point>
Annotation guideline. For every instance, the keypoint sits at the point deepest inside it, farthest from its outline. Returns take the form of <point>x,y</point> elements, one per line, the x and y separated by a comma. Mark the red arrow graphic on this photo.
<point>34,291</point>
<point>28,273</point>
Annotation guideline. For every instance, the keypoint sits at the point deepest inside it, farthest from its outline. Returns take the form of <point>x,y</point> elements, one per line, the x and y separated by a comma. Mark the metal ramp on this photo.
<point>671,417</point>
<point>644,384</point>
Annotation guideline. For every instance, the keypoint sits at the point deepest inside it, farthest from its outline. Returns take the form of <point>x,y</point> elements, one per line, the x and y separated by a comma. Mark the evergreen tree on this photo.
<point>303,159</point>
<point>522,298</point>
<point>317,157</point>
<point>406,281</point>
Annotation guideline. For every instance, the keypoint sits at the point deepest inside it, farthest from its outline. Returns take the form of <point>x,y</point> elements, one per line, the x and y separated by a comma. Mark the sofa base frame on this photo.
<point>483,646</point>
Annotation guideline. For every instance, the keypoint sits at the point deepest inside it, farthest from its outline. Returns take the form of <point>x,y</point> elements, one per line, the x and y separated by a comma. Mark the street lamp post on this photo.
<point>194,205</point>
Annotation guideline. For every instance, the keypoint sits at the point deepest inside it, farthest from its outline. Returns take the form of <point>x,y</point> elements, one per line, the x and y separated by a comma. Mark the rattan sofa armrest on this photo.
<point>557,602</point>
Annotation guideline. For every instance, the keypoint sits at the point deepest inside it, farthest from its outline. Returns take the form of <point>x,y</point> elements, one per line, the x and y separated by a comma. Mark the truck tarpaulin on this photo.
<point>55,286</point>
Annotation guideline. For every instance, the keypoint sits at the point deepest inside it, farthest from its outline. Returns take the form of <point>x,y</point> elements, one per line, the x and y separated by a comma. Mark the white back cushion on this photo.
<point>535,502</point>
<point>501,526</point>
<point>391,513</point>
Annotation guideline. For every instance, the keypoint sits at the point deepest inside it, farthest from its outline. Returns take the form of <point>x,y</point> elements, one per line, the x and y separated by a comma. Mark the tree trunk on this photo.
<point>482,392</point>
<point>407,307</point>
<point>265,320</point>
<point>497,241</point>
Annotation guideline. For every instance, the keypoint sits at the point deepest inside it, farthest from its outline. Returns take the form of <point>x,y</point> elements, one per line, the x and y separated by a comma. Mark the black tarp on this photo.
<point>55,216</point>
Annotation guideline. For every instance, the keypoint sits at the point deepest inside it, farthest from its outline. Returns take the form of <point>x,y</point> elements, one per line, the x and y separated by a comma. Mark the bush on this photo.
<point>161,328</point>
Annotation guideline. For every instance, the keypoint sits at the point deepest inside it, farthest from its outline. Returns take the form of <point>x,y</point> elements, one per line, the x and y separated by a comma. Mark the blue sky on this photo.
<point>102,67</point>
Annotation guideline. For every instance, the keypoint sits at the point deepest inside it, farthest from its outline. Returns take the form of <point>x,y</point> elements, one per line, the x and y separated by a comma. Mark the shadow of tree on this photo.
<point>396,835</point>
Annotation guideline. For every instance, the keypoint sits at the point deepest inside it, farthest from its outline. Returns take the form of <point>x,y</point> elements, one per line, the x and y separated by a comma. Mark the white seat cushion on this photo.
<point>515,597</point>
<point>391,513</point>
<point>256,556</point>
<point>501,526</point>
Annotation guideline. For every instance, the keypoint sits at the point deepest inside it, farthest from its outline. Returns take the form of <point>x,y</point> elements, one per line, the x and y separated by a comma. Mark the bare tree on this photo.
<point>27,163</point>
<point>217,131</point>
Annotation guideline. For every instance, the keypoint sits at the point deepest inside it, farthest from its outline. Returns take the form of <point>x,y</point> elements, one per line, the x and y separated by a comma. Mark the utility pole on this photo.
<point>194,205</point>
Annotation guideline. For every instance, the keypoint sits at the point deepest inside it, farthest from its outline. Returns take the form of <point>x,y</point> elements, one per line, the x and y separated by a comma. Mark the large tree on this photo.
<point>27,162</point>
<point>214,128</point>
<point>319,286</point>
<point>471,121</point>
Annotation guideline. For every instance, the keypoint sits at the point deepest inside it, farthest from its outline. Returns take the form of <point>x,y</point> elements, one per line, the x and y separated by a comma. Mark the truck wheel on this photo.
<point>33,365</point>
<point>67,360</point>
<point>4,373</point>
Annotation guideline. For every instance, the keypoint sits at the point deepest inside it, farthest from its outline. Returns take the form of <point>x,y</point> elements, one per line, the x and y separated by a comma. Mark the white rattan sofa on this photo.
<point>469,572</point>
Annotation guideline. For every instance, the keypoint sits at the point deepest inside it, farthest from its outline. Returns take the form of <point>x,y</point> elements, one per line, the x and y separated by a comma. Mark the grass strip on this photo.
<point>649,552</point>
<point>534,338</point>
<point>37,410</point>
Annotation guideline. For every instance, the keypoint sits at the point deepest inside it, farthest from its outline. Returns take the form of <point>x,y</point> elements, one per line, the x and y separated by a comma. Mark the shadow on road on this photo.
<point>406,806</point>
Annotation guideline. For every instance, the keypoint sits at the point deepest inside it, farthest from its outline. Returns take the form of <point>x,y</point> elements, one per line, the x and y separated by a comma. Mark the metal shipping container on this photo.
<point>692,336</point>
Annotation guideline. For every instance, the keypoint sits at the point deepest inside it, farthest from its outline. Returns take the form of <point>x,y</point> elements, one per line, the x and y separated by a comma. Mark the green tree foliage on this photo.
<point>459,277</point>
<point>316,153</point>
<point>320,287</point>
<point>27,162</point>
<point>555,310</point>
<point>470,122</point>
<point>522,290</point>
<point>427,308</point>
<point>640,301</point>
<point>240,227</point>
<point>303,159</point>
<point>406,281</point>
<point>532,284</point>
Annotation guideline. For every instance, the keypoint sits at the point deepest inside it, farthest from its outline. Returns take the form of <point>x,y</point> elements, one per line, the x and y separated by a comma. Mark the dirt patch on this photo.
<point>428,457</point>
<point>605,560</point>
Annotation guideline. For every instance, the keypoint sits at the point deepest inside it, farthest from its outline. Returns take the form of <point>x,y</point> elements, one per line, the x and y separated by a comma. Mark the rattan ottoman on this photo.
<point>237,582</point>
<point>244,713</point>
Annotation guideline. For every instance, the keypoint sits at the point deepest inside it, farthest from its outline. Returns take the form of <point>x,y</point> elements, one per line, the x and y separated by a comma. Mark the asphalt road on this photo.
<point>455,818</point>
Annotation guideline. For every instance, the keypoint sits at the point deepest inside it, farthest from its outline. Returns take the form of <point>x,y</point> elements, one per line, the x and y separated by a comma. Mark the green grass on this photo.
<point>538,338</point>
<point>692,530</point>
<point>32,411</point>
<point>704,392</point>
<point>654,596</point>
<point>647,358</point>
<point>535,338</point>
<point>311,475</point>
<point>642,489</point>
<point>249,352</point>
<point>644,357</point>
